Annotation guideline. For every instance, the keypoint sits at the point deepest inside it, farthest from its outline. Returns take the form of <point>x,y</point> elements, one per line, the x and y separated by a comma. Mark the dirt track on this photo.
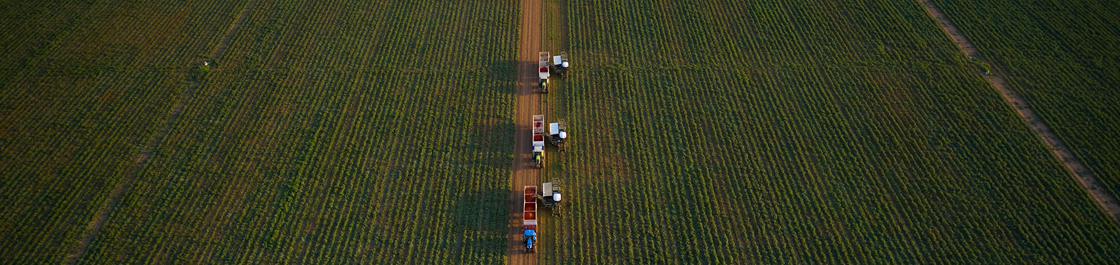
<point>1077,169</point>
<point>142,159</point>
<point>528,104</point>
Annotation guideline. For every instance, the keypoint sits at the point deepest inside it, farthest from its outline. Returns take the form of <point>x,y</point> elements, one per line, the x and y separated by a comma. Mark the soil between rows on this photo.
<point>528,103</point>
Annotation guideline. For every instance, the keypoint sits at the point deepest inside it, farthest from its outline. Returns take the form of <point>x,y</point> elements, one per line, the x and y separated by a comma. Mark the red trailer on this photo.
<point>529,211</point>
<point>542,71</point>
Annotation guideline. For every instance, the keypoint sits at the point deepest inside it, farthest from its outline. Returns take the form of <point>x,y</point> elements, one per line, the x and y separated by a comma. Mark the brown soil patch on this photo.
<point>528,104</point>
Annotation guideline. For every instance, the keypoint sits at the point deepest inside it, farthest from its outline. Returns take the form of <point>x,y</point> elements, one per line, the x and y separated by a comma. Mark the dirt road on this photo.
<point>528,104</point>
<point>1107,201</point>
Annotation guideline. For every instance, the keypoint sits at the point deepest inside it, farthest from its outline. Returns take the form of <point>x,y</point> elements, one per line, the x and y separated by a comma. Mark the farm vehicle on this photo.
<point>529,218</point>
<point>542,71</point>
<point>557,133</point>
<point>538,140</point>
<point>560,64</point>
<point>546,65</point>
<point>529,236</point>
<point>549,196</point>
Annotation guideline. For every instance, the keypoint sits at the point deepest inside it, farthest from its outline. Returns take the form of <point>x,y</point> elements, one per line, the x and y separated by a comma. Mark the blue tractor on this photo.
<point>529,237</point>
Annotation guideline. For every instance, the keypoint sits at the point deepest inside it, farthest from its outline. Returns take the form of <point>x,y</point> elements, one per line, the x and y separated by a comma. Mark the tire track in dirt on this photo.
<point>1107,201</point>
<point>146,152</point>
<point>232,29</point>
<point>528,103</point>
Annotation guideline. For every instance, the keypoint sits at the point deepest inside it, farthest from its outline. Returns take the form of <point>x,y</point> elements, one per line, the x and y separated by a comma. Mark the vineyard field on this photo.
<point>316,132</point>
<point>1061,56</point>
<point>701,132</point>
<point>798,132</point>
<point>77,107</point>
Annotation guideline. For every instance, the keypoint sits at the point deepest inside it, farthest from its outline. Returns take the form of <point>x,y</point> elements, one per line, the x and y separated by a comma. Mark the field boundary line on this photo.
<point>1077,169</point>
<point>98,221</point>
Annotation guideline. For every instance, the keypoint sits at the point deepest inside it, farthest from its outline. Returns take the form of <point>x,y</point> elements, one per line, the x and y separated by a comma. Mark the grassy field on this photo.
<point>319,133</point>
<point>1062,57</point>
<point>810,132</point>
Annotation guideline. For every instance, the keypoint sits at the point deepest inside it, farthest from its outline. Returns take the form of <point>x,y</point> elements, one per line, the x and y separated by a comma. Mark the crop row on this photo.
<point>801,132</point>
<point>86,85</point>
<point>325,132</point>
<point>1060,56</point>
<point>354,136</point>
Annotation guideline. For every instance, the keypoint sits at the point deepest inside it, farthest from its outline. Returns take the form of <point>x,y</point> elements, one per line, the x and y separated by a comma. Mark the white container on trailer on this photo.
<point>543,65</point>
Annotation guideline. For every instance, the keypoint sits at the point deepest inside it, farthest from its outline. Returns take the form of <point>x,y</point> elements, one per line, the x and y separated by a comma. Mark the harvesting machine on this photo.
<point>550,195</point>
<point>557,133</point>
<point>560,64</point>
